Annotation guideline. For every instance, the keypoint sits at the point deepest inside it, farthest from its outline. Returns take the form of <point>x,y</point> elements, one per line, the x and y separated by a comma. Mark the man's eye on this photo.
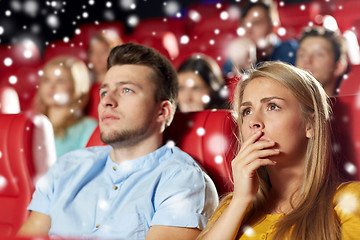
<point>127,90</point>
<point>103,94</point>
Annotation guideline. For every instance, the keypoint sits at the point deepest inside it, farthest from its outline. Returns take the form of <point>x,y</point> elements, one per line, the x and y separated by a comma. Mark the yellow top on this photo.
<point>347,207</point>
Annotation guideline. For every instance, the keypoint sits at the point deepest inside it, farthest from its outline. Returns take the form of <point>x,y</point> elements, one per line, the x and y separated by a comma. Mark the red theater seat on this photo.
<point>86,31</point>
<point>351,82</point>
<point>346,134</point>
<point>25,154</point>
<point>22,54</point>
<point>25,80</point>
<point>296,16</point>
<point>59,48</point>
<point>15,181</point>
<point>9,100</point>
<point>208,136</point>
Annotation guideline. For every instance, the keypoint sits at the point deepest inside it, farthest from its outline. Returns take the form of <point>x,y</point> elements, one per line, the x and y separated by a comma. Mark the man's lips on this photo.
<point>108,117</point>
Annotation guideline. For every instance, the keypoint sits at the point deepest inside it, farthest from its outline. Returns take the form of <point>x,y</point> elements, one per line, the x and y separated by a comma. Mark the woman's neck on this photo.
<point>286,186</point>
<point>58,115</point>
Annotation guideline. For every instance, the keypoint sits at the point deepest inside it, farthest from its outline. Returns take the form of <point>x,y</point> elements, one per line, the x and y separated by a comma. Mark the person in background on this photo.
<point>137,187</point>
<point>201,85</point>
<point>256,20</point>
<point>242,57</point>
<point>286,183</point>
<point>323,53</point>
<point>99,48</point>
<point>62,96</point>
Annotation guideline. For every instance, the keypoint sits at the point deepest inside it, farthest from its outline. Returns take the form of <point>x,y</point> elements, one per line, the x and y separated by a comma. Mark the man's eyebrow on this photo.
<point>105,85</point>
<point>263,100</point>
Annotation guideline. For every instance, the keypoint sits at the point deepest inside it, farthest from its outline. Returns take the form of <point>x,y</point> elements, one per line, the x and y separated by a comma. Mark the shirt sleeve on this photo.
<point>186,198</point>
<point>347,207</point>
<point>43,193</point>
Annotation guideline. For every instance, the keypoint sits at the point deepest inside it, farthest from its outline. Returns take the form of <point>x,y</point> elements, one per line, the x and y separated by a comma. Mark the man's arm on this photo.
<point>38,224</point>
<point>158,232</point>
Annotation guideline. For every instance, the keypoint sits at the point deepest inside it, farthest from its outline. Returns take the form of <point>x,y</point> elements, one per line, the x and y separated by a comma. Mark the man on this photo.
<point>322,52</point>
<point>257,21</point>
<point>135,188</point>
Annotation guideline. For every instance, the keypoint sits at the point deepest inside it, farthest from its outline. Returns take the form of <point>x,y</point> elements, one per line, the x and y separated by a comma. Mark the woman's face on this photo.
<point>194,94</point>
<point>98,54</point>
<point>270,107</point>
<point>56,86</point>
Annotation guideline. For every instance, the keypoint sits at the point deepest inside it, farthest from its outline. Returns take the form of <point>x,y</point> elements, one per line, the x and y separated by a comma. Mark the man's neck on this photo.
<point>120,154</point>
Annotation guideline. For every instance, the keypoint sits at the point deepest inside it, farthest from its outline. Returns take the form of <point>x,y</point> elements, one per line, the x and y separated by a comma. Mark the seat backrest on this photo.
<point>60,48</point>
<point>208,136</point>
<point>346,134</point>
<point>18,171</point>
<point>351,82</point>
<point>25,81</point>
<point>9,100</point>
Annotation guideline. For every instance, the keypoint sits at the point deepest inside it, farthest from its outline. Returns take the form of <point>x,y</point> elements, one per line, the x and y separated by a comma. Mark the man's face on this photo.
<point>127,108</point>
<point>315,55</point>
<point>257,26</point>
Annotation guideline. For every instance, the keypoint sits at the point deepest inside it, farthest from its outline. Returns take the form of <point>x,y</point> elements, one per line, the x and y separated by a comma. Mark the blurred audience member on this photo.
<point>201,85</point>
<point>323,53</point>
<point>62,97</point>
<point>241,56</point>
<point>99,49</point>
<point>256,19</point>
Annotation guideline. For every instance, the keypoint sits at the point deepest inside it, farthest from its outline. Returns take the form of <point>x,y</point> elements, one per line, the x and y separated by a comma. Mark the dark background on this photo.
<point>28,18</point>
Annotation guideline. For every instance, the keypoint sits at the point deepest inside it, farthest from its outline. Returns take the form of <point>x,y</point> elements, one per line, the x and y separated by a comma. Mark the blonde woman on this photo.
<point>285,182</point>
<point>62,97</point>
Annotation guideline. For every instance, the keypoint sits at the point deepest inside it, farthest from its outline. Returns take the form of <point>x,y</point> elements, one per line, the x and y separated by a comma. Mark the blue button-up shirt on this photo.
<point>88,195</point>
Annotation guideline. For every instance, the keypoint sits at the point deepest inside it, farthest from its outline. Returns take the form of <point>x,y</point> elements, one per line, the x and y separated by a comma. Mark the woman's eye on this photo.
<point>273,107</point>
<point>246,112</point>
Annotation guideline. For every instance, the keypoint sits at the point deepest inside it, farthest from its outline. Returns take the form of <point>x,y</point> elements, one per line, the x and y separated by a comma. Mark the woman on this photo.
<point>62,97</point>
<point>285,182</point>
<point>201,85</point>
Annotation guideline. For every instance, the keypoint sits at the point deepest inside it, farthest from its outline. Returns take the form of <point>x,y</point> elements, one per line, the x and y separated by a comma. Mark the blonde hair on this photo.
<point>80,97</point>
<point>313,217</point>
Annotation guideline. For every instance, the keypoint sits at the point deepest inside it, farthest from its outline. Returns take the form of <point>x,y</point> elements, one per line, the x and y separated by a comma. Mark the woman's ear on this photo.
<point>309,130</point>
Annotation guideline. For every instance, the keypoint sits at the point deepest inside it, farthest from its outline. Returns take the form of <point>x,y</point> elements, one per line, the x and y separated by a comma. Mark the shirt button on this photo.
<point>114,168</point>
<point>115,187</point>
<point>97,226</point>
<point>263,236</point>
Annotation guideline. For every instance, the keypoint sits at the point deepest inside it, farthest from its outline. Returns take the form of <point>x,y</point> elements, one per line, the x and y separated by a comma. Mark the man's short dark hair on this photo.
<point>334,37</point>
<point>165,78</point>
<point>249,5</point>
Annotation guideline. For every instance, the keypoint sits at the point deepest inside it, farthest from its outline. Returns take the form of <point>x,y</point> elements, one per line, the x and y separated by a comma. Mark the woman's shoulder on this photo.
<point>347,198</point>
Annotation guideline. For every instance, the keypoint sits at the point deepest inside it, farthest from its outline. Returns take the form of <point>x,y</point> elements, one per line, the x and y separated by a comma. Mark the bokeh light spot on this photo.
<point>200,131</point>
<point>13,80</point>
<point>8,62</point>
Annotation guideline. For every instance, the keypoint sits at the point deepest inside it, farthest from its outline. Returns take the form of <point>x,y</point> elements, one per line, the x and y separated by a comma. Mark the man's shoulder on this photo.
<point>182,157</point>
<point>84,156</point>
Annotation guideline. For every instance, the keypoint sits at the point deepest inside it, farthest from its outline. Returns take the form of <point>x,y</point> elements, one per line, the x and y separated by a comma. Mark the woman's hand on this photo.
<point>252,155</point>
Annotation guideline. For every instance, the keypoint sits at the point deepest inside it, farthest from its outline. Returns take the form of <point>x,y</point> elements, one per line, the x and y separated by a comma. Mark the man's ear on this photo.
<point>340,68</point>
<point>165,111</point>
